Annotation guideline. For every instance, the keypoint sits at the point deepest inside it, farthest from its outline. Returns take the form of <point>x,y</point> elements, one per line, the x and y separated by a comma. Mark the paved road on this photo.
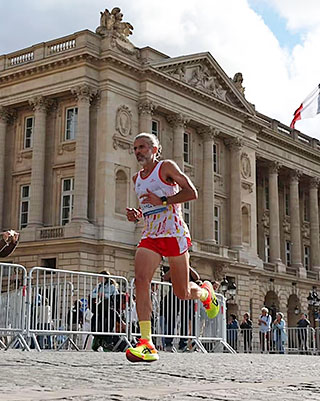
<point>86,376</point>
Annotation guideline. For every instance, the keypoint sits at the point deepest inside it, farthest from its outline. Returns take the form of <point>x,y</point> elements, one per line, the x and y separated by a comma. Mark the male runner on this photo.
<point>161,188</point>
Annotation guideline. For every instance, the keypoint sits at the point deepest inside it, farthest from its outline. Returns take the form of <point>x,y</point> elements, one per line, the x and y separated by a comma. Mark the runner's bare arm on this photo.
<point>133,214</point>
<point>170,172</point>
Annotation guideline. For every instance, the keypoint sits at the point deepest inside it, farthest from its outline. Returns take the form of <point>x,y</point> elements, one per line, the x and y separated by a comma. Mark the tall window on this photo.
<point>307,257</point>
<point>217,224</point>
<point>155,128</point>
<point>24,206</point>
<point>186,147</point>
<point>288,253</point>
<point>306,208</point>
<point>267,249</point>
<point>187,213</point>
<point>216,168</point>
<point>287,201</point>
<point>67,194</point>
<point>71,123</point>
<point>28,129</point>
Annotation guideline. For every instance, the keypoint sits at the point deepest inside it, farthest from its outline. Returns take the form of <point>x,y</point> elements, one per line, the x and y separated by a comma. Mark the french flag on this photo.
<point>310,107</point>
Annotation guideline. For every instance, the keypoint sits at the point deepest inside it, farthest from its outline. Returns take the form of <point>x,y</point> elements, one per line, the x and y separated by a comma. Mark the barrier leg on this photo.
<point>2,344</point>
<point>68,340</point>
<point>200,346</point>
<point>36,344</point>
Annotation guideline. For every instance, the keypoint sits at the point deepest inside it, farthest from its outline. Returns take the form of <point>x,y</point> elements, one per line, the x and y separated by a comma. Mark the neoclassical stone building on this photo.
<point>69,110</point>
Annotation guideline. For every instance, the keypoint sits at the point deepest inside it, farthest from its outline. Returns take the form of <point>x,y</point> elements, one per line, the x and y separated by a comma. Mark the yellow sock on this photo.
<point>145,329</point>
<point>204,294</point>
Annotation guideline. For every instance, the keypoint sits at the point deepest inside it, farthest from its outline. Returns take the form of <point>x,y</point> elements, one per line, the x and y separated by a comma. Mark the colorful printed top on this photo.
<point>159,220</point>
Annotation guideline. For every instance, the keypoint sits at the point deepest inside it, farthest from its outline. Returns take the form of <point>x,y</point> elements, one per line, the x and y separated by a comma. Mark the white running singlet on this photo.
<point>160,221</point>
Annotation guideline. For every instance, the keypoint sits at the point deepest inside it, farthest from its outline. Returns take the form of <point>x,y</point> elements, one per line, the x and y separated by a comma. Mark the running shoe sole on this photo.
<point>141,358</point>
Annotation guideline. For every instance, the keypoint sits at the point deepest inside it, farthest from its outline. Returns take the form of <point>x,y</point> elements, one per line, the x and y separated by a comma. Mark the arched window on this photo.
<point>245,225</point>
<point>121,193</point>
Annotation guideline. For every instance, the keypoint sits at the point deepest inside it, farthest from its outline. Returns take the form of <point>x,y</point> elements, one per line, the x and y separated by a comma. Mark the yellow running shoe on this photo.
<point>211,304</point>
<point>144,351</point>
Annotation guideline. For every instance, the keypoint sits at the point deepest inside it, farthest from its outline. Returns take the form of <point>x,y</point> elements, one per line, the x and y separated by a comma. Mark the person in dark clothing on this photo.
<point>303,325</point>
<point>246,331</point>
<point>171,306</point>
<point>232,331</point>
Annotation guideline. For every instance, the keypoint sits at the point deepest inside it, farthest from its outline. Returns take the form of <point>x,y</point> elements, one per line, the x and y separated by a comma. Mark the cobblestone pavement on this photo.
<point>86,376</point>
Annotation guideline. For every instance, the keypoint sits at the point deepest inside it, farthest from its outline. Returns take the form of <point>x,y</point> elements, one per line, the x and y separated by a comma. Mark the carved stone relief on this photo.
<point>245,166</point>
<point>286,225</point>
<point>124,121</point>
<point>122,143</point>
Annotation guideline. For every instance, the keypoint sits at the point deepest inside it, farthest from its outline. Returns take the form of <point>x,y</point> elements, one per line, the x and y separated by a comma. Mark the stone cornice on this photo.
<point>288,143</point>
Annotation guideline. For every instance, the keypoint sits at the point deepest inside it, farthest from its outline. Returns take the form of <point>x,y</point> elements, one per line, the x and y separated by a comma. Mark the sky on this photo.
<point>274,43</point>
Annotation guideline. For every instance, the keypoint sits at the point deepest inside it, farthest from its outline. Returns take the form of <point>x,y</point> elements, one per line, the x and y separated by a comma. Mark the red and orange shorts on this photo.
<point>166,246</point>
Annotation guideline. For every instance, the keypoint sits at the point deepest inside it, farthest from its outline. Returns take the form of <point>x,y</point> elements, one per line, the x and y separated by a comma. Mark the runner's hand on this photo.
<point>133,214</point>
<point>151,198</point>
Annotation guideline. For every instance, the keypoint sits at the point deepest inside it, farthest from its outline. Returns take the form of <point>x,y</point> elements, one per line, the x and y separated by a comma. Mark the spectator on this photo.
<point>232,331</point>
<point>106,287</point>
<point>44,323</point>
<point>75,319</point>
<point>303,325</point>
<point>8,242</point>
<point>279,333</point>
<point>246,330</point>
<point>171,306</point>
<point>264,330</point>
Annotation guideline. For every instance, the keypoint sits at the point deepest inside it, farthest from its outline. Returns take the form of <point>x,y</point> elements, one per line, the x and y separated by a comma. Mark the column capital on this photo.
<point>39,104</point>
<point>178,120</point>
<point>235,143</point>
<point>274,167</point>
<point>4,115</point>
<point>295,176</point>
<point>314,182</point>
<point>146,107</point>
<point>84,93</point>
<point>208,133</point>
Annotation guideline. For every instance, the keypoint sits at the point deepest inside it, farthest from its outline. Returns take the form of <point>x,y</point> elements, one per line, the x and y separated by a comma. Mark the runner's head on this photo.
<point>146,147</point>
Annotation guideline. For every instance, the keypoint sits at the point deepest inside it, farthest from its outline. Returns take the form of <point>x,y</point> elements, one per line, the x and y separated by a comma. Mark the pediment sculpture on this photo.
<point>200,77</point>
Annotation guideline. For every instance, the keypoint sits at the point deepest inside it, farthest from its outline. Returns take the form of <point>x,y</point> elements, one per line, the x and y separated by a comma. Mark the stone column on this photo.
<point>235,193</point>
<point>275,255</point>
<point>314,224</point>
<point>178,122</point>
<point>84,95</point>
<point>295,219</point>
<point>146,109</point>
<point>3,130</point>
<point>208,135</point>
<point>39,105</point>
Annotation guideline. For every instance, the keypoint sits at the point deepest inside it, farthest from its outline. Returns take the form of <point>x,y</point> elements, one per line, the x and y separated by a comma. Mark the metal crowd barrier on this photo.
<point>66,307</point>
<point>294,340</point>
<point>13,284</point>
<point>181,325</point>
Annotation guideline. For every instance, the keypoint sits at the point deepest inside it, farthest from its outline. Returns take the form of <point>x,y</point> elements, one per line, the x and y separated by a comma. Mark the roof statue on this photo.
<point>111,24</point>
<point>237,80</point>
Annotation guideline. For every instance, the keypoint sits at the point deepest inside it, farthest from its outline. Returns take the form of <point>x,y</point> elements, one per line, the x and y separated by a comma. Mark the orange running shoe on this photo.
<point>144,351</point>
<point>211,304</point>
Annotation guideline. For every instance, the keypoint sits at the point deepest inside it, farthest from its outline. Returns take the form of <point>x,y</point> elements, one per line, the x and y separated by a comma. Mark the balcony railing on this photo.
<point>74,42</point>
<point>51,233</point>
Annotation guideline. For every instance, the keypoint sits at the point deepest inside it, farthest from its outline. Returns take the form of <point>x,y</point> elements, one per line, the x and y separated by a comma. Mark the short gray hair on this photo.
<point>152,140</point>
<point>264,309</point>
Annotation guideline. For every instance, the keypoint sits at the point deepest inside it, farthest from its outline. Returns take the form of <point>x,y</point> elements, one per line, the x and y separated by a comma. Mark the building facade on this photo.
<point>69,110</point>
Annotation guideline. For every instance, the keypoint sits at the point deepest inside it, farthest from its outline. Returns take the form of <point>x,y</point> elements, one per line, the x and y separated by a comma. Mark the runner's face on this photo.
<point>143,151</point>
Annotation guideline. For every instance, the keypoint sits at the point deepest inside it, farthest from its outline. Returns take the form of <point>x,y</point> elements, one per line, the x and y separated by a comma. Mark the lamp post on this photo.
<point>229,289</point>
<point>314,303</point>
